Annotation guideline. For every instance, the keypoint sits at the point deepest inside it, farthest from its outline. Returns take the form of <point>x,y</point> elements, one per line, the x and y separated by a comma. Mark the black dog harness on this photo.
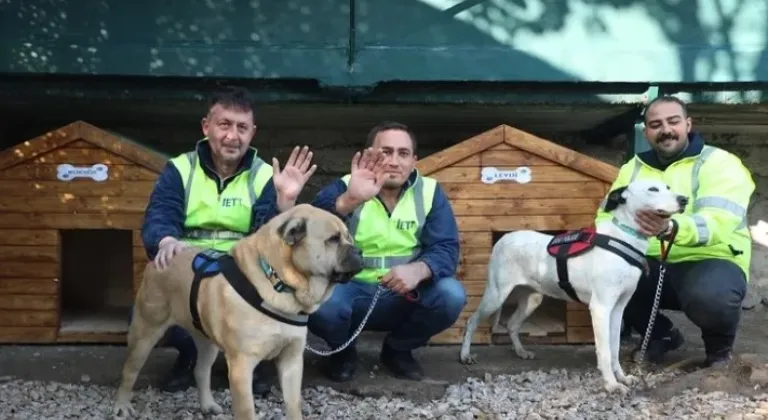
<point>577,242</point>
<point>211,262</point>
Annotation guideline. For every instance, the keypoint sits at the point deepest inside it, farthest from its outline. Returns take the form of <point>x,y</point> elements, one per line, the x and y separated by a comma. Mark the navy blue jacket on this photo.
<point>164,215</point>
<point>439,236</point>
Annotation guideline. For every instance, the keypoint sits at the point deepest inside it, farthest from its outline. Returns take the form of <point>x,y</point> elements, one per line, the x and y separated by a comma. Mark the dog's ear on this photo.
<point>615,199</point>
<point>293,230</point>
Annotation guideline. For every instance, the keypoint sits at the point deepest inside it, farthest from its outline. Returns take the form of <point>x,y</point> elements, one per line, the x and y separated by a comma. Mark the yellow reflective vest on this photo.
<point>214,220</point>
<point>385,240</point>
<point>714,225</point>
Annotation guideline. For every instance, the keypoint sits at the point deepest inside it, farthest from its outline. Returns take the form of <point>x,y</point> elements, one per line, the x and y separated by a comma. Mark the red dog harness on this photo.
<point>577,242</point>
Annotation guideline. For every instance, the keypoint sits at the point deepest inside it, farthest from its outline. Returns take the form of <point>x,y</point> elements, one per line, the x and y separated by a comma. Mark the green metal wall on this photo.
<point>363,42</point>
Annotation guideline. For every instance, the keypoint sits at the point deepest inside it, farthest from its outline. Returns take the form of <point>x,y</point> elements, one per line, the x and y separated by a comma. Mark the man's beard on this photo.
<point>666,136</point>
<point>665,151</point>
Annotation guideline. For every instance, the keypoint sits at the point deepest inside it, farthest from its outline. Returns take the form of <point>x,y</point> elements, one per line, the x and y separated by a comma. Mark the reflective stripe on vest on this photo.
<point>712,202</point>
<point>213,234</point>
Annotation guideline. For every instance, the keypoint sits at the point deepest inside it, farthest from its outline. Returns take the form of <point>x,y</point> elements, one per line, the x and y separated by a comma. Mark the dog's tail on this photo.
<point>492,301</point>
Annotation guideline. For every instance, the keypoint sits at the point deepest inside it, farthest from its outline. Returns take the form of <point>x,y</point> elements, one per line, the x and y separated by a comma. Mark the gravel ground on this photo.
<point>78,382</point>
<point>556,394</point>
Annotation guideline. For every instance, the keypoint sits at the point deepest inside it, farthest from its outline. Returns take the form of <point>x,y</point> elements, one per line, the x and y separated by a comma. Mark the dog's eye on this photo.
<point>335,238</point>
<point>654,189</point>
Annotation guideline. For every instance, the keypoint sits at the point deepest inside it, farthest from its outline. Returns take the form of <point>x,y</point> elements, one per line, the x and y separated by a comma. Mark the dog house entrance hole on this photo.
<point>548,319</point>
<point>96,281</point>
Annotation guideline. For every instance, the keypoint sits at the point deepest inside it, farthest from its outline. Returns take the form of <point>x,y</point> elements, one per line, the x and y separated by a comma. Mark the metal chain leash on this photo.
<point>640,355</point>
<point>357,332</point>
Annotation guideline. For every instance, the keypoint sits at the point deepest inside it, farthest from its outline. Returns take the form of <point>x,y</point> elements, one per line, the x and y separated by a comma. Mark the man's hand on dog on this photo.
<point>402,279</point>
<point>651,223</point>
<point>168,248</point>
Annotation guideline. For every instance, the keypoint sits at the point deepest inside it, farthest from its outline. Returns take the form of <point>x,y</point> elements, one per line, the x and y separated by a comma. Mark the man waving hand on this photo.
<point>406,229</point>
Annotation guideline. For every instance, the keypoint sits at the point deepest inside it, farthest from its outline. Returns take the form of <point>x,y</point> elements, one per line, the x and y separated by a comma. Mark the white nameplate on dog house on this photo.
<point>490,175</point>
<point>67,172</point>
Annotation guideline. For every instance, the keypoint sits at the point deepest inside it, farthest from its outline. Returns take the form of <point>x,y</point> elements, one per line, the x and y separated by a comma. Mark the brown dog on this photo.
<point>305,248</point>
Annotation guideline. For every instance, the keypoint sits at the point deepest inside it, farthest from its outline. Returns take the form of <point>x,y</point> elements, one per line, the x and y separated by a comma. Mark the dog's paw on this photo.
<point>525,354</point>
<point>616,388</point>
<point>123,411</point>
<point>499,329</point>
<point>211,408</point>
<point>468,359</point>
<point>629,380</point>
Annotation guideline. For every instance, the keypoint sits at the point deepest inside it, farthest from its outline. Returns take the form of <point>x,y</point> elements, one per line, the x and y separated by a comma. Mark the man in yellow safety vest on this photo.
<point>708,262</point>
<point>406,229</point>
<point>214,195</point>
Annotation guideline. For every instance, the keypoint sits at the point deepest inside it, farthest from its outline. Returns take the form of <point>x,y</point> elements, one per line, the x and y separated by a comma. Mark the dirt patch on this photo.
<point>746,374</point>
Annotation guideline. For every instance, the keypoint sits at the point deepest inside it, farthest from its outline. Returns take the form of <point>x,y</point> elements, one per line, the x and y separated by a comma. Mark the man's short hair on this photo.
<point>666,99</point>
<point>389,125</point>
<point>232,97</point>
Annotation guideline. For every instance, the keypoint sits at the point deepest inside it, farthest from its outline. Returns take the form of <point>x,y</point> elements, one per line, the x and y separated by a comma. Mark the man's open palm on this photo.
<point>291,179</point>
<point>366,174</point>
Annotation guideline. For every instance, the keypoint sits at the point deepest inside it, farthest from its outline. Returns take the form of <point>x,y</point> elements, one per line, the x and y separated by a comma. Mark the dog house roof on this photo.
<point>80,130</point>
<point>523,141</point>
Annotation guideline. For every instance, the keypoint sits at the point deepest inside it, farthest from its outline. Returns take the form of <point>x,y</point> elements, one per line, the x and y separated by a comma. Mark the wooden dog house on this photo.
<point>71,207</point>
<point>505,180</point>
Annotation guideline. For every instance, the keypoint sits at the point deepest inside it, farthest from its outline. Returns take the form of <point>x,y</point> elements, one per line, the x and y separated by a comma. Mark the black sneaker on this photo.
<point>181,376</point>
<point>626,331</point>
<point>658,348</point>
<point>401,364</point>
<point>342,366</point>
<point>260,384</point>
<point>719,359</point>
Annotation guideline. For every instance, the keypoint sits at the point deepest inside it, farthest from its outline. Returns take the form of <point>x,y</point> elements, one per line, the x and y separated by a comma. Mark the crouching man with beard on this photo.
<point>707,269</point>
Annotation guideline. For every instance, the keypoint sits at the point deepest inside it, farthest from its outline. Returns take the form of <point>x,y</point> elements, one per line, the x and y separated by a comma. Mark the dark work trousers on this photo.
<point>709,292</point>
<point>410,325</point>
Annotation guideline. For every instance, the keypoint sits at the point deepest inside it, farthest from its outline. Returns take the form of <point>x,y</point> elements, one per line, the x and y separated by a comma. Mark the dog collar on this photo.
<point>280,285</point>
<point>627,229</point>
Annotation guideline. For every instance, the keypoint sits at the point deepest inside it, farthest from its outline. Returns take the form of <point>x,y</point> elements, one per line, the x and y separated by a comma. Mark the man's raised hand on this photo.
<point>291,179</point>
<point>366,174</point>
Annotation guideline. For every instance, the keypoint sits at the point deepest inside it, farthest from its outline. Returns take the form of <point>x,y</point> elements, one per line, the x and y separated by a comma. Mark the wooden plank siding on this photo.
<point>37,208</point>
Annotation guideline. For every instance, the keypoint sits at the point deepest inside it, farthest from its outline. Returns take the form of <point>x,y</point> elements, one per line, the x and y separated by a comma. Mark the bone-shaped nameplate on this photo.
<point>490,175</point>
<point>67,172</point>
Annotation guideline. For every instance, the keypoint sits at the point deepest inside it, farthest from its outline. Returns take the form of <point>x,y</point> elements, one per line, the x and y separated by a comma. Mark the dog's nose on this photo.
<point>355,258</point>
<point>350,266</point>
<point>682,200</point>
